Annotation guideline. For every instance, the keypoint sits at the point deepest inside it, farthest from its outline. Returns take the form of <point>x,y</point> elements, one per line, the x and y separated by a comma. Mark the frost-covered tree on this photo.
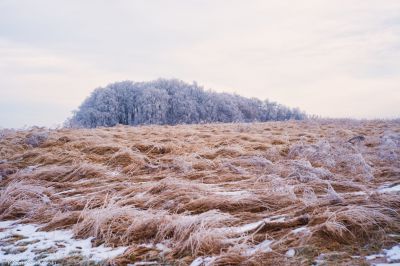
<point>172,102</point>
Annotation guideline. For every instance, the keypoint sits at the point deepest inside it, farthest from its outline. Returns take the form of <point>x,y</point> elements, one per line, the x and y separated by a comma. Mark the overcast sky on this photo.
<point>335,58</point>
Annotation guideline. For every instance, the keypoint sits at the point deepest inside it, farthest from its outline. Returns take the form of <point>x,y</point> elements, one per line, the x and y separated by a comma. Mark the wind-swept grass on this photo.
<point>226,194</point>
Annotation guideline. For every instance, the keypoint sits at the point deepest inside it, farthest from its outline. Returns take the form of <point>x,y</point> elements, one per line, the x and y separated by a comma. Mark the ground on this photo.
<point>275,193</point>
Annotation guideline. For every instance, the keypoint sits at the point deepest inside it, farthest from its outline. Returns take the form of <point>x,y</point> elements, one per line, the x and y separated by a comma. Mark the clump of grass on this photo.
<point>351,224</point>
<point>226,152</point>
<point>126,157</point>
<point>25,200</point>
<point>189,234</point>
<point>197,234</point>
<point>118,226</point>
<point>62,220</point>
<point>102,149</point>
<point>35,138</point>
<point>153,148</point>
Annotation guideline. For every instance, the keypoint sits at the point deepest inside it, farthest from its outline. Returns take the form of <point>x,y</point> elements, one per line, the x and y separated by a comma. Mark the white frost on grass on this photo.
<point>22,243</point>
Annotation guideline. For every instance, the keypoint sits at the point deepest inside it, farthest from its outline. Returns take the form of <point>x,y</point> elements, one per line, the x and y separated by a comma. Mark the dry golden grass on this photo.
<point>173,193</point>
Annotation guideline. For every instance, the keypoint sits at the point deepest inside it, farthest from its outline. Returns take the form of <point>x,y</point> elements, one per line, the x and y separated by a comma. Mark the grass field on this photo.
<point>276,193</point>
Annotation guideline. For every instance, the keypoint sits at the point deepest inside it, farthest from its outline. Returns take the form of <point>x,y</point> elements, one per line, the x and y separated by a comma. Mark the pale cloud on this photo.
<point>42,88</point>
<point>333,58</point>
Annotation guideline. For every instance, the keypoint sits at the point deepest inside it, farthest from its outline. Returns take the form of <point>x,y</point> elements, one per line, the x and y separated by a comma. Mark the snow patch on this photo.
<point>252,226</point>
<point>23,243</point>
<point>355,193</point>
<point>200,261</point>
<point>233,193</point>
<point>263,247</point>
<point>246,228</point>
<point>114,173</point>
<point>374,256</point>
<point>142,263</point>
<point>162,247</point>
<point>391,255</point>
<point>389,189</point>
<point>301,229</point>
<point>277,218</point>
<point>29,169</point>
<point>290,253</point>
<point>65,192</point>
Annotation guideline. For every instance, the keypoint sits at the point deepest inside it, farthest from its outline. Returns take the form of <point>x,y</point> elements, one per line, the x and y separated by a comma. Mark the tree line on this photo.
<point>172,101</point>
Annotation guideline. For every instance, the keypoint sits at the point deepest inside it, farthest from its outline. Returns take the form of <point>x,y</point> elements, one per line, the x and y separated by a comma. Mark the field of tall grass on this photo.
<point>275,193</point>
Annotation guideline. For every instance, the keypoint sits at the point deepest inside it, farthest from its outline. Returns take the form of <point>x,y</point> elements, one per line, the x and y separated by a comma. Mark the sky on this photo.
<point>333,58</point>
